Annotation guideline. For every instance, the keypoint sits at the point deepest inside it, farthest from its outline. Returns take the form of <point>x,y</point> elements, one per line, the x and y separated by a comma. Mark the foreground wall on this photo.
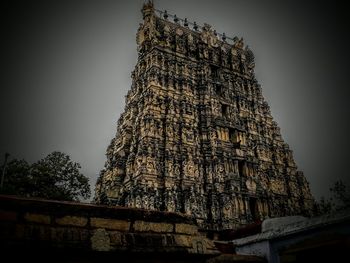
<point>75,232</point>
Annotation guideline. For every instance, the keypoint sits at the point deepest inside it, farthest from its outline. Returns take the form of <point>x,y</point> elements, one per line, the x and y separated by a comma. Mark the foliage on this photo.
<point>340,199</point>
<point>17,178</point>
<point>53,177</point>
<point>341,195</point>
<point>325,206</point>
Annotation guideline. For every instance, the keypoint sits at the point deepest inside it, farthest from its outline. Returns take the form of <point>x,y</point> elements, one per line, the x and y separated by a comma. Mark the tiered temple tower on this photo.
<point>196,135</point>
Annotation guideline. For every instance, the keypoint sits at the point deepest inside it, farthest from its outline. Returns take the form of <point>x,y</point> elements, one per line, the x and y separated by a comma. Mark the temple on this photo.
<point>196,135</point>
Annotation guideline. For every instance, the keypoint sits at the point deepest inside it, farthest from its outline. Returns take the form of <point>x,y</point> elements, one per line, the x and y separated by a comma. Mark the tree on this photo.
<point>17,180</point>
<point>341,195</point>
<point>54,177</point>
<point>324,206</point>
<point>340,199</point>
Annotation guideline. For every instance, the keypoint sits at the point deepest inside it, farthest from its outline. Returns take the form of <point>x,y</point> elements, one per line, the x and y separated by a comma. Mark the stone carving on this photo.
<point>151,167</point>
<point>197,136</point>
<point>277,186</point>
<point>100,240</point>
<point>251,185</point>
<point>208,36</point>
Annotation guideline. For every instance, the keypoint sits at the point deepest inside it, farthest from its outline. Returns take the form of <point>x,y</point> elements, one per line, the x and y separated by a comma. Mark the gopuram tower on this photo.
<point>197,136</point>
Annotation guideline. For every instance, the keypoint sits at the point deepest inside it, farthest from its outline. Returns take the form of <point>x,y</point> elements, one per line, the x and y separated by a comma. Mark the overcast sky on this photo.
<point>68,66</point>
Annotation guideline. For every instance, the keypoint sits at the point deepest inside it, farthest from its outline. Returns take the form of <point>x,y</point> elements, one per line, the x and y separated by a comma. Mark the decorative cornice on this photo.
<point>194,26</point>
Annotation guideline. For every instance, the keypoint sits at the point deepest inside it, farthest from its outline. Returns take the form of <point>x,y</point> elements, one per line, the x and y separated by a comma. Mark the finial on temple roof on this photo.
<point>206,27</point>
<point>148,3</point>
<point>147,8</point>
<point>165,15</point>
<point>238,43</point>
<point>185,23</point>
<point>224,37</point>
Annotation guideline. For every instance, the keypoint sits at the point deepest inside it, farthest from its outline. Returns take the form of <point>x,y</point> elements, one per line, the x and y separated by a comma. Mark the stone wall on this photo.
<point>87,232</point>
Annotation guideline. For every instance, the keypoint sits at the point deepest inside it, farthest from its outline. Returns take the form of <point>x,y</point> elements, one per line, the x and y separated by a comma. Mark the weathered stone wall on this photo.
<point>40,225</point>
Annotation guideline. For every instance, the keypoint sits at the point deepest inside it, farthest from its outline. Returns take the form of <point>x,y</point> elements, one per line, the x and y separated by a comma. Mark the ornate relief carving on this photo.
<point>278,187</point>
<point>251,185</point>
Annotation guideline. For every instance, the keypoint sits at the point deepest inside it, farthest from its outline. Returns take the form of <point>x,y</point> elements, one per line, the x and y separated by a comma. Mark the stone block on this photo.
<point>37,218</point>
<point>186,229</point>
<point>116,238</point>
<point>142,226</point>
<point>72,221</point>
<point>100,240</point>
<point>69,234</point>
<point>183,241</point>
<point>112,224</point>
<point>199,245</point>
<point>169,240</point>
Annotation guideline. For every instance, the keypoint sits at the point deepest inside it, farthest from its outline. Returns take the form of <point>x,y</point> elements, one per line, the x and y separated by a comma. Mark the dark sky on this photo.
<point>68,66</point>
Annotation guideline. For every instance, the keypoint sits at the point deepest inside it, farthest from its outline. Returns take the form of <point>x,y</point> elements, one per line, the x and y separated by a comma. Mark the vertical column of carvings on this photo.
<point>171,166</point>
<point>235,167</point>
<point>211,108</point>
<point>205,134</point>
<point>140,186</point>
<point>171,137</point>
<point>193,164</point>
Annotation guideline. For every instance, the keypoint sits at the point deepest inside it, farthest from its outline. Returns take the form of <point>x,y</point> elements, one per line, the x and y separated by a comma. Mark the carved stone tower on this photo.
<point>196,135</point>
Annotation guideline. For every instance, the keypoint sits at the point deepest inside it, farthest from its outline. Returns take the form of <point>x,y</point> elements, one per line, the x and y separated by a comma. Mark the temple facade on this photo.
<point>196,135</point>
